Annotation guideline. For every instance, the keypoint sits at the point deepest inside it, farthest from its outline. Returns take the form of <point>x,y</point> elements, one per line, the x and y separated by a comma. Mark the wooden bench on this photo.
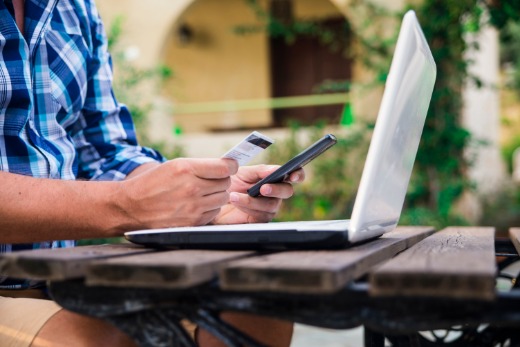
<point>408,280</point>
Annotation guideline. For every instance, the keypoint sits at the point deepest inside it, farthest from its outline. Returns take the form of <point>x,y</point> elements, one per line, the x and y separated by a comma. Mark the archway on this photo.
<point>214,63</point>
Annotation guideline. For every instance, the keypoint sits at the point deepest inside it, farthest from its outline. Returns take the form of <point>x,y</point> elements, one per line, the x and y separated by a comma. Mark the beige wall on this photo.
<point>146,23</point>
<point>217,64</point>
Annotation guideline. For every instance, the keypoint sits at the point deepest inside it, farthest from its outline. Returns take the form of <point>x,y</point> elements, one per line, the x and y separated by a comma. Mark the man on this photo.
<point>70,168</point>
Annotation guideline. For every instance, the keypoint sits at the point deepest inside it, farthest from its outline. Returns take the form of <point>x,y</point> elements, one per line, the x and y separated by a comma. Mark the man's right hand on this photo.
<point>180,192</point>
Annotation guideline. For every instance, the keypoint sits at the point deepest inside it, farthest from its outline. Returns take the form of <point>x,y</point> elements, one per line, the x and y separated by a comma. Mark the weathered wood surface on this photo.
<point>316,271</point>
<point>456,262</point>
<point>170,269</point>
<point>514,235</point>
<point>62,263</point>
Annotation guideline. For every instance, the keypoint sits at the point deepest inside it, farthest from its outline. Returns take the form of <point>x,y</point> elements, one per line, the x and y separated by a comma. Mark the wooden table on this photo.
<point>409,280</point>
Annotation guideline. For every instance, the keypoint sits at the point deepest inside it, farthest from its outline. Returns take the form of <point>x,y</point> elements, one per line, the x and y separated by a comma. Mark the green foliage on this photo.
<point>375,42</point>
<point>278,28</point>
<point>440,172</point>
<point>440,166</point>
<point>90,242</point>
<point>508,150</point>
<point>426,216</point>
<point>503,12</point>
<point>510,54</point>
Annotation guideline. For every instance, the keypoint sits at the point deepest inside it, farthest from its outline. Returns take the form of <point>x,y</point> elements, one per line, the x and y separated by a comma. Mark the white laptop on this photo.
<point>384,181</point>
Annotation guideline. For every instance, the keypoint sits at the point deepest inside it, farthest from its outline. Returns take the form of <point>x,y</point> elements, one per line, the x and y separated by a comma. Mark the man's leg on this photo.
<point>271,332</point>
<point>67,329</point>
<point>42,323</point>
<point>70,329</point>
<point>34,322</point>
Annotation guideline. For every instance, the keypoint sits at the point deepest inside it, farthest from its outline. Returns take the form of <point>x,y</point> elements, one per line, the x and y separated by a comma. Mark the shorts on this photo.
<point>22,318</point>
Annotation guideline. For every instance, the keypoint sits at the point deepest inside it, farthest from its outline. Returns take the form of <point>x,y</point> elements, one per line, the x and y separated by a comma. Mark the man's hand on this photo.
<point>180,192</point>
<point>244,209</point>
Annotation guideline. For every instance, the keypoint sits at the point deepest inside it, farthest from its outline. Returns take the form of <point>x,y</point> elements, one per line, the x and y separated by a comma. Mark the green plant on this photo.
<point>510,54</point>
<point>508,151</point>
<point>441,166</point>
<point>440,173</point>
<point>289,30</point>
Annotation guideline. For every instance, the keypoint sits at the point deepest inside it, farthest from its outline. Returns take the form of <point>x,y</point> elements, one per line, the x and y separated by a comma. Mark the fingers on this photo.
<point>253,174</point>
<point>258,210</point>
<point>283,190</point>
<point>206,168</point>
<point>278,190</point>
<point>205,187</point>
<point>207,217</point>
<point>214,201</point>
<point>261,204</point>
<point>264,207</point>
<point>297,176</point>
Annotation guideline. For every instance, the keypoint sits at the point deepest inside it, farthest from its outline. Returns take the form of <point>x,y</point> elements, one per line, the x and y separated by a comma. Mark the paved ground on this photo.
<point>306,336</point>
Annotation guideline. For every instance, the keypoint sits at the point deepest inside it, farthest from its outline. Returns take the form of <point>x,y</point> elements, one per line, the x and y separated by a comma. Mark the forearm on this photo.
<point>33,209</point>
<point>142,168</point>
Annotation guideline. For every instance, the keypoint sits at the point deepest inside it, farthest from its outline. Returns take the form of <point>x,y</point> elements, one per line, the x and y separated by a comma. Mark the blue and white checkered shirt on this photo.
<point>58,115</point>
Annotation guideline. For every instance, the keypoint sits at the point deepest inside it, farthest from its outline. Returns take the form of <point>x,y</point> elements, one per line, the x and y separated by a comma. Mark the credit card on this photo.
<point>254,144</point>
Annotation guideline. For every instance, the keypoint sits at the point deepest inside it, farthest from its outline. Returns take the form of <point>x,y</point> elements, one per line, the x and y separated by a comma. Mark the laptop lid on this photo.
<point>396,136</point>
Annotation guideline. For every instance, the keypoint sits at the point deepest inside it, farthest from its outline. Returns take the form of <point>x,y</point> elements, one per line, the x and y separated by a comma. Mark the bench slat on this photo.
<point>170,269</point>
<point>316,271</point>
<point>514,235</point>
<point>61,263</point>
<point>455,262</point>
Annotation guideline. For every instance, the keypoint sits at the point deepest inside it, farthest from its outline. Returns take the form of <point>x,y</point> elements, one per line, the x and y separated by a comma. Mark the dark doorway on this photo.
<point>300,66</point>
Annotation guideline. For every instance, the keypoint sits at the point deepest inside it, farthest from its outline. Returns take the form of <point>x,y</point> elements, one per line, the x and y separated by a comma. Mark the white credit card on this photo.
<point>249,148</point>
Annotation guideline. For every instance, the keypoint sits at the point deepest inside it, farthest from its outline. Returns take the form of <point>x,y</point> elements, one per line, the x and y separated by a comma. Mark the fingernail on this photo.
<point>295,178</point>
<point>233,197</point>
<point>267,190</point>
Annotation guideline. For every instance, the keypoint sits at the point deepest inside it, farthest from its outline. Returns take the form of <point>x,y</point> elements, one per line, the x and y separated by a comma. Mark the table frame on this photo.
<point>152,316</point>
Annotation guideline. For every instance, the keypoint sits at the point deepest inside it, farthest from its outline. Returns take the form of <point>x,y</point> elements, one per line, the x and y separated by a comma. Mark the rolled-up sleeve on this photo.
<point>107,145</point>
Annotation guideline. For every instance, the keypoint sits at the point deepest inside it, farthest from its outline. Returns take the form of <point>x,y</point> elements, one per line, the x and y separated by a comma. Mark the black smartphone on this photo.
<point>295,163</point>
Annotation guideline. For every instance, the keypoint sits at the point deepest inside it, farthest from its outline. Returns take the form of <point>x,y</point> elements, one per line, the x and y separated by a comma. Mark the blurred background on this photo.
<point>199,75</point>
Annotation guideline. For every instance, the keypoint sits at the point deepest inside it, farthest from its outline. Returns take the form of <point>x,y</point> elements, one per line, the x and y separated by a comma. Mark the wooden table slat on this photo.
<point>454,262</point>
<point>316,271</point>
<point>61,263</point>
<point>514,234</point>
<point>170,269</point>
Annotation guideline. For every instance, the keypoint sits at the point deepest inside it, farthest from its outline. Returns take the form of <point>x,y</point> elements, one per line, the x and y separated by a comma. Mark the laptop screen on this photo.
<point>397,133</point>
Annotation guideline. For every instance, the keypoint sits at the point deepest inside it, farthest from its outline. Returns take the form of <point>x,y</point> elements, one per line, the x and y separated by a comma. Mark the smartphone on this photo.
<point>295,163</point>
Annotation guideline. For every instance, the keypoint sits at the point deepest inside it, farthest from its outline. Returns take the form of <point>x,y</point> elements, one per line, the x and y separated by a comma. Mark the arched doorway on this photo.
<point>311,55</point>
<point>222,74</point>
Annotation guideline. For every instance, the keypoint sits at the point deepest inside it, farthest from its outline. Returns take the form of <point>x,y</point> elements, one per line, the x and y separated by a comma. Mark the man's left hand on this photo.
<point>245,209</point>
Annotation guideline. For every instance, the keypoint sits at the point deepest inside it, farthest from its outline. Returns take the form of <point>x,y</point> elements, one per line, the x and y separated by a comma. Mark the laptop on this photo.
<point>384,180</point>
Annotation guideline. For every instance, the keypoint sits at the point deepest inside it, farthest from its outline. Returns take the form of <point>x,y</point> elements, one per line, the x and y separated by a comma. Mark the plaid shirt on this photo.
<point>58,115</point>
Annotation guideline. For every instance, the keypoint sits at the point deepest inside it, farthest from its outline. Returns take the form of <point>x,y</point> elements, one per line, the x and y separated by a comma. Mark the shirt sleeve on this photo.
<point>107,145</point>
